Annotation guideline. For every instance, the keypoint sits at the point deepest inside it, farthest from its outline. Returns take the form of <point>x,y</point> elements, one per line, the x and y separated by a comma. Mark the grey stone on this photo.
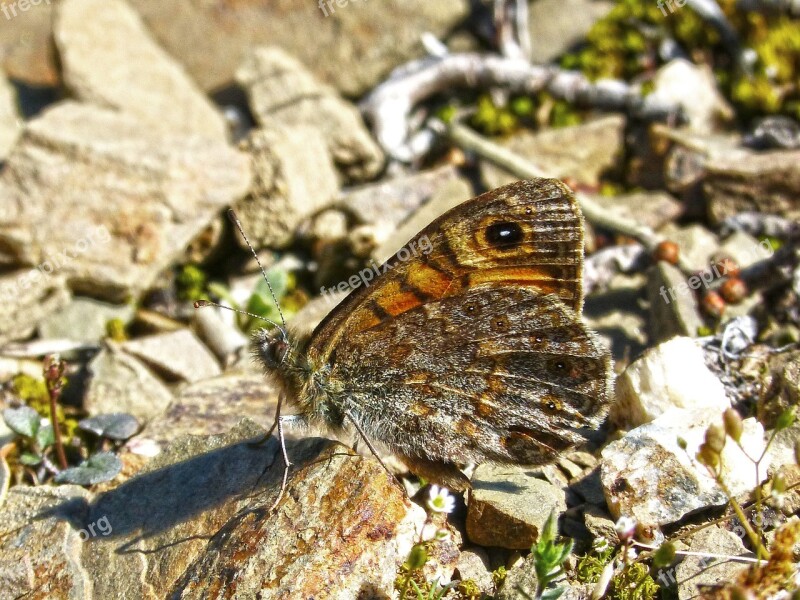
<point>178,354</point>
<point>473,564</point>
<point>520,582</point>
<point>26,298</point>
<point>767,182</point>
<point>352,44</point>
<point>84,320</point>
<point>120,383</point>
<point>282,90</point>
<point>653,209</point>
<point>617,315</point>
<point>10,119</point>
<point>581,152</point>
<point>294,178</point>
<point>508,506</point>
<point>647,476</point>
<point>701,570</point>
<point>109,58</point>
<point>695,90</point>
<point>600,524</point>
<point>695,243</point>
<point>744,249</point>
<point>108,203</point>
<point>672,304</point>
<point>556,26</point>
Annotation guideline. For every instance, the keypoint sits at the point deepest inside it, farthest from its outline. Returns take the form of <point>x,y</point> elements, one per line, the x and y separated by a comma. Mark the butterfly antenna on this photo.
<point>235,220</point>
<point>202,303</point>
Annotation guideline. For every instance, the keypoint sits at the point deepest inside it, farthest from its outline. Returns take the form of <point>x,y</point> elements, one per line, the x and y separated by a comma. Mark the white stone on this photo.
<point>671,375</point>
<point>10,120</point>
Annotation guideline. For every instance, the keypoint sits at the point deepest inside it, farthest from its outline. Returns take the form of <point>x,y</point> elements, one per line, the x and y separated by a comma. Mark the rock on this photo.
<point>355,44</point>
<point>178,354</point>
<point>695,243</point>
<point>26,298</point>
<point>589,488</point>
<point>10,119</point>
<point>767,182</point>
<point>695,90</point>
<point>215,405</point>
<point>557,26</point>
<point>648,477</point>
<point>745,250</point>
<point>294,178</point>
<point>703,570</point>
<point>508,507</point>
<point>43,542</point>
<point>600,524</point>
<point>672,303</point>
<point>84,320</point>
<point>120,383</point>
<point>109,203</point>
<point>581,152</point>
<point>474,564</point>
<point>652,209</point>
<point>388,203</point>
<point>780,385</point>
<point>670,375</point>
<point>282,90</point>
<point>219,333</point>
<point>109,58</point>
<point>520,581</point>
<point>27,54</point>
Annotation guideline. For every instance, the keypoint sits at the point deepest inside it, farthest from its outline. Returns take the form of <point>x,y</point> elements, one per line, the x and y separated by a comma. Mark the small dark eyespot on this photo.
<point>529,211</point>
<point>470,308</point>
<point>500,324</point>
<point>504,235</point>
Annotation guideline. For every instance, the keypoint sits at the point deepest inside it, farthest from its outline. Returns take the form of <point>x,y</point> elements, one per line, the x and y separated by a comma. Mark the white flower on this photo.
<point>600,545</point>
<point>625,528</point>
<point>428,532</point>
<point>440,500</point>
<point>631,554</point>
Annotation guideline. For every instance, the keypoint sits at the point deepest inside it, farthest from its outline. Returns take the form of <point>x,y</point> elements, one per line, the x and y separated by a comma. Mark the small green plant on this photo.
<point>548,559</point>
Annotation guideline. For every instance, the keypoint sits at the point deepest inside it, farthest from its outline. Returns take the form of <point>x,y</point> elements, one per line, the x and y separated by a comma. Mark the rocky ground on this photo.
<point>336,133</point>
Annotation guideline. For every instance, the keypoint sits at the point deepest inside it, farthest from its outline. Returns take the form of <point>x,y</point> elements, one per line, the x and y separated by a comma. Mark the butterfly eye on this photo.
<point>504,235</point>
<point>274,352</point>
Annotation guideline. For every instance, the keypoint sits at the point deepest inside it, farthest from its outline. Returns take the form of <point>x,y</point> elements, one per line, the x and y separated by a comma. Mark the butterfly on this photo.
<point>474,351</point>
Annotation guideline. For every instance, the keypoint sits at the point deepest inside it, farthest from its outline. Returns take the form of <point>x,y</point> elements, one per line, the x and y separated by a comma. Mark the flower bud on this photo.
<point>733,424</point>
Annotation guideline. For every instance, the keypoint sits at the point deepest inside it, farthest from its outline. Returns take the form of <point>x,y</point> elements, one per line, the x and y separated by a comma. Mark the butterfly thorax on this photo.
<point>303,379</point>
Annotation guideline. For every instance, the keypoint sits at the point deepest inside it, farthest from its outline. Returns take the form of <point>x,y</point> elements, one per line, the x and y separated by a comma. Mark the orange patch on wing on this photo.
<point>428,279</point>
<point>396,301</point>
<point>547,279</point>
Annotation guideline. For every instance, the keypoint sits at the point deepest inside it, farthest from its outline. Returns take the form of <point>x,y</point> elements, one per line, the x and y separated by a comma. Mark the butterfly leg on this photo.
<point>368,443</point>
<point>286,463</point>
<point>442,473</point>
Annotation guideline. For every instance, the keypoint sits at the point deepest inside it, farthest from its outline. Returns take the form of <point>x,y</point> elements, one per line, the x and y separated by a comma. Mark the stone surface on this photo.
<point>26,298</point>
<point>26,41</point>
<point>648,477</point>
<point>556,26</point>
<point>474,564</point>
<point>701,570</point>
<point>120,383</point>
<point>195,521</point>
<point>768,182</point>
<point>520,582</point>
<point>282,90</point>
<point>215,405</point>
<point>695,243</point>
<point>180,355</point>
<point>581,152</point>
<point>672,304</point>
<point>352,45</point>
<point>10,119</point>
<point>744,249</point>
<point>293,178</point>
<point>109,58</point>
<point>670,375</point>
<point>508,506</point>
<point>651,208</point>
<point>107,202</point>
<point>84,320</point>
<point>695,90</point>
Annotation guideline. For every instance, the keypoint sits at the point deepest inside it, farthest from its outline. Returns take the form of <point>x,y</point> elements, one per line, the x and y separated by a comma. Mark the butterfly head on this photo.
<point>272,346</point>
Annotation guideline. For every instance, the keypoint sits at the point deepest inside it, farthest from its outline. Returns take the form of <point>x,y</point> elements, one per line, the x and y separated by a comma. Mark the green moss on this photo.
<point>191,282</point>
<point>115,330</point>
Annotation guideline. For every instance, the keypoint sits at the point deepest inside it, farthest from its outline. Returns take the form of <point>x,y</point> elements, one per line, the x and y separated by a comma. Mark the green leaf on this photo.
<point>552,594</point>
<point>101,467</point>
<point>29,459</point>
<point>45,436</point>
<point>785,421</point>
<point>114,426</point>
<point>23,420</point>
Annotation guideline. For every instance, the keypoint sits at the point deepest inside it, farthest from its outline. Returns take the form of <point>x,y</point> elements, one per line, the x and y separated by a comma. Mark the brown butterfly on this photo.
<point>472,352</point>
